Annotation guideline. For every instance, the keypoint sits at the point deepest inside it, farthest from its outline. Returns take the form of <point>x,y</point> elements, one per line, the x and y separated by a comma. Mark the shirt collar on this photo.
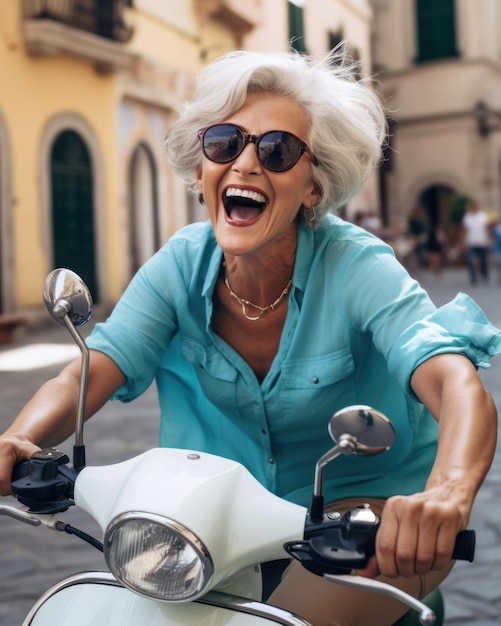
<point>304,257</point>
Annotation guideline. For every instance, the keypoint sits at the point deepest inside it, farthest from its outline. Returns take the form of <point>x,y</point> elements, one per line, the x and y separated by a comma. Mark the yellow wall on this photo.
<point>34,90</point>
<point>164,42</point>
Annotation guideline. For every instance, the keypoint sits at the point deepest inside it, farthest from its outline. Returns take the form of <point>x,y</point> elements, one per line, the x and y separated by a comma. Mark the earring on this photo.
<point>309,216</point>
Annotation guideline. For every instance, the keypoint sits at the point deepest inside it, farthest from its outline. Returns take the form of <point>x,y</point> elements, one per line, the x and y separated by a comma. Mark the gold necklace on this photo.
<point>245,303</point>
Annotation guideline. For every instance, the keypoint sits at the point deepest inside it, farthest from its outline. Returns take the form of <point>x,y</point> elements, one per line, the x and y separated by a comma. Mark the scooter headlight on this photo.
<point>157,557</point>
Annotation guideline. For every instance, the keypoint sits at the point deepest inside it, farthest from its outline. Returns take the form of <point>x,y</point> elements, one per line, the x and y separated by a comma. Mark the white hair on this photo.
<point>348,123</point>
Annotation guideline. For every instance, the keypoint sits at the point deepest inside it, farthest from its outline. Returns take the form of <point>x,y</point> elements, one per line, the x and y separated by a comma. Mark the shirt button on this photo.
<point>271,461</point>
<point>314,380</point>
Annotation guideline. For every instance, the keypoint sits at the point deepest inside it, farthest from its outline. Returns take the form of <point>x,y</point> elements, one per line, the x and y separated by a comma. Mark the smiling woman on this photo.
<point>348,123</point>
<point>283,179</point>
<point>261,323</point>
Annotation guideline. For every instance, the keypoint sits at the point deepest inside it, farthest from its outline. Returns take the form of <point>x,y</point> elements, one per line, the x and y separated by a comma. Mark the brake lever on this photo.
<point>426,615</point>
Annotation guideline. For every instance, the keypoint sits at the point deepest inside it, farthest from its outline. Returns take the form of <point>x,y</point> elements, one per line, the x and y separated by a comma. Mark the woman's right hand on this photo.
<point>13,449</point>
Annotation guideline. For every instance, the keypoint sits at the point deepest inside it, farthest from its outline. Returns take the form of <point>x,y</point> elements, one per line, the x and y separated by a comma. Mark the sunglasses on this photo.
<point>277,150</point>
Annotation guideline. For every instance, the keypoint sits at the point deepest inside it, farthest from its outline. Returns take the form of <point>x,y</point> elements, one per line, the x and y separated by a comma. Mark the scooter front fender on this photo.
<point>97,598</point>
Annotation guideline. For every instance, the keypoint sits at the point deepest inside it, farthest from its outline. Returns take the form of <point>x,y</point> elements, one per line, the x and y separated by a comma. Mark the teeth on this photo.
<point>246,193</point>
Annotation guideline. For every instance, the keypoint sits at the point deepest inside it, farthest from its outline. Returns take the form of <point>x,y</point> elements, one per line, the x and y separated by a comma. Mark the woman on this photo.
<point>261,323</point>
<point>496,248</point>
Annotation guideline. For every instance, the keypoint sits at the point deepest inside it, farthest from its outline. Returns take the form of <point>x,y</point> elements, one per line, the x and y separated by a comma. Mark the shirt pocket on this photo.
<point>315,387</point>
<point>217,377</point>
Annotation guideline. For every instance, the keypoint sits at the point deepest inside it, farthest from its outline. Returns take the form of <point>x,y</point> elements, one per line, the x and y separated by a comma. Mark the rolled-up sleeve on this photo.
<point>138,331</point>
<point>458,327</point>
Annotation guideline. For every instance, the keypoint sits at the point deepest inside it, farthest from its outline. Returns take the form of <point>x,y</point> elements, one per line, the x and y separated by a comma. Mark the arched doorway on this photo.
<point>72,207</point>
<point>144,220</point>
<point>438,204</point>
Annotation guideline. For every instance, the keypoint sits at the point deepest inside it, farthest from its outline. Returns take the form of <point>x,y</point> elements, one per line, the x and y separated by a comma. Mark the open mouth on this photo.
<point>243,205</point>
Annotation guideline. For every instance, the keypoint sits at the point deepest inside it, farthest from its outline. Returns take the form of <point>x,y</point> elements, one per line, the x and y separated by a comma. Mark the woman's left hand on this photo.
<point>418,532</point>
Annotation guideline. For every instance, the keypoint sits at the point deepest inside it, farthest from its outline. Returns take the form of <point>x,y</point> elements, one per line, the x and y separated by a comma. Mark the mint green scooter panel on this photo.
<point>95,598</point>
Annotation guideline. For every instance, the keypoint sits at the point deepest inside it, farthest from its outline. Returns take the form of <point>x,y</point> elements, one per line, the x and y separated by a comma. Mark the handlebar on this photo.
<point>44,483</point>
<point>335,545</point>
<point>348,542</point>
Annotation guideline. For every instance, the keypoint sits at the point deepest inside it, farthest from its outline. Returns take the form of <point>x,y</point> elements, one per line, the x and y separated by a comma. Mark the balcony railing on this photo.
<point>99,17</point>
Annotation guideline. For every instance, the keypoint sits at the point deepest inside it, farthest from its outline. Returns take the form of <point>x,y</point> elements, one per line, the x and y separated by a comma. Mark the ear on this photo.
<point>312,196</point>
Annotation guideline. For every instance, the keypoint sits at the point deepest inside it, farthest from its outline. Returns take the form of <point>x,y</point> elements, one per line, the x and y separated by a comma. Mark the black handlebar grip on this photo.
<point>20,470</point>
<point>464,548</point>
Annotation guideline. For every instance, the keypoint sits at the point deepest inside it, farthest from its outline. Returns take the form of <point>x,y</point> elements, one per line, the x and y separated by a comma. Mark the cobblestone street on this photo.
<point>31,559</point>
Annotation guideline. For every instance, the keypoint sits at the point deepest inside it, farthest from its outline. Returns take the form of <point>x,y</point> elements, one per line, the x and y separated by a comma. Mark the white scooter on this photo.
<point>185,532</point>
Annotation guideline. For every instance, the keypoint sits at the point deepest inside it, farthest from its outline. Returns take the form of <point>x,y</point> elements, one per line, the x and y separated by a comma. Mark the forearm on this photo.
<point>50,416</point>
<point>467,438</point>
<point>467,419</point>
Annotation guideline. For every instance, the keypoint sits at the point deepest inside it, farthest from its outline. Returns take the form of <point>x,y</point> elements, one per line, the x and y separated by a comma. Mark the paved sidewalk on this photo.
<point>31,559</point>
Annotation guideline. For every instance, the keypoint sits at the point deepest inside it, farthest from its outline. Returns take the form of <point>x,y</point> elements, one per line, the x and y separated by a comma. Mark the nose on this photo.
<point>247,161</point>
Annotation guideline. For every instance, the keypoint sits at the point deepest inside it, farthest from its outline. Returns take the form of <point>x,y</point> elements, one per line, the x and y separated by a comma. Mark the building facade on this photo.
<point>88,91</point>
<point>439,65</point>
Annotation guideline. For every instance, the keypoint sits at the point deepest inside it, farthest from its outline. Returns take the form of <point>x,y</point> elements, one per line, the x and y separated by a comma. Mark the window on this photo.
<point>436,26</point>
<point>296,25</point>
<point>144,218</point>
<point>335,39</point>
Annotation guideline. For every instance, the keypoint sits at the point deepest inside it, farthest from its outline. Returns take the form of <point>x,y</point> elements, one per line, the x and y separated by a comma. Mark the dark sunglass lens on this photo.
<point>279,151</point>
<point>222,143</point>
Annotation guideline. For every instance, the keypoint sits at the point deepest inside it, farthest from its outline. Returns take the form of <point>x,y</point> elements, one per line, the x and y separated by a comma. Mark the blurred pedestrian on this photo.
<point>435,249</point>
<point>416,227</point>
<point>477,241</point>
<point>496,248</point>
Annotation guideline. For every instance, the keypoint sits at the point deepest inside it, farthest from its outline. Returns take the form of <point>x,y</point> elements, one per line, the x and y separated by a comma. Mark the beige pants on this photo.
<point>324,603</point>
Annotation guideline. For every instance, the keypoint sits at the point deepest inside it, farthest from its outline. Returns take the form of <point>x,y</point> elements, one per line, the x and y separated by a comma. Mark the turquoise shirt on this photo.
<point>357,326</point>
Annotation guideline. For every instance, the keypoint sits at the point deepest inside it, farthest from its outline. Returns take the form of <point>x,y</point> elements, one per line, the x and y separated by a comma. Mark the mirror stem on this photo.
<point>79,448</point>
<point>347,444</point>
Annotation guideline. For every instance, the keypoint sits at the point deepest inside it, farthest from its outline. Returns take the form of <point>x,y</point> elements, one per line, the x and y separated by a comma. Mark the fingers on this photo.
<point>416,536</point>
<point>13,449</point>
